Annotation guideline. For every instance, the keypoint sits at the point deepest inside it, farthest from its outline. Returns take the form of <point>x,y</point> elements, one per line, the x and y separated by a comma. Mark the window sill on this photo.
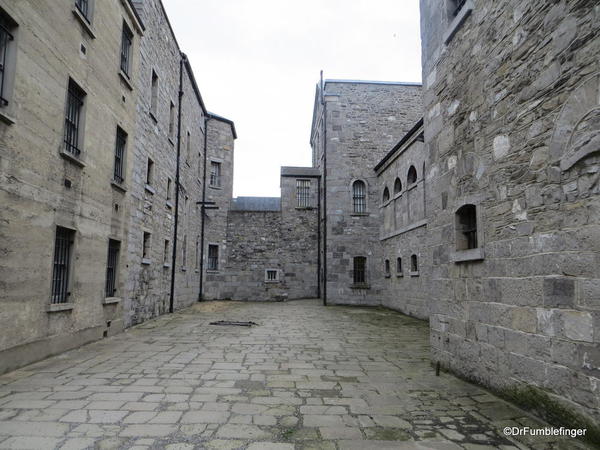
<point>305,208</point>
<point>169,204</point>
<point>84,23</point>
<point>153,116</point>
<point>125,79</point>
<point>272,281</point>
<point>170,139</point>
<point>458,21</point>
<point>184,269</point>
<point>8,120</point>
<point>387,275</point>
<point>212,271</point>
<point>146,261</point>
<point>111,300</point>
<point>399,275</point>
<point>414,273</point>
<point>166,266</point>
<point>149,189</point>
<point>360,286</point>
<point>219,188</point>
<point>360,214</point>
<point>74,159</point>
<point>56,307</point>
<point>412,186</point>
<point>119,186</point>
<point>474,254</point>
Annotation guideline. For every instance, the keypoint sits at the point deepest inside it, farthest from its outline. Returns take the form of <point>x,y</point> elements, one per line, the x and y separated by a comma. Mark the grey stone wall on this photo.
<point>511,125</point>
<point>363,120</point>
<point>41,187</point>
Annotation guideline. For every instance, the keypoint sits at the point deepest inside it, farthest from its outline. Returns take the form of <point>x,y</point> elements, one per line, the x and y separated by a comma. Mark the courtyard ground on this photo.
<point>306,377</point>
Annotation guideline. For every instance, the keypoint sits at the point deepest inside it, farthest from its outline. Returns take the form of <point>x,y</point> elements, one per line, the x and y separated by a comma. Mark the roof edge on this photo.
<point>400,143</point>
<point>223,119</point>
<point>393,83</point>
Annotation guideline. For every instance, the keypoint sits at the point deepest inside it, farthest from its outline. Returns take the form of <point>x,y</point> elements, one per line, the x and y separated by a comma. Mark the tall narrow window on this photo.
<point>7,46</point>
<point>387,268</point>
<point>63,249</point>
<point>397,186</point>
<point>303,193</point>
<point>169,189</point>
<point>215,174</point>
<point>359,271</point>
<point>386,195</point>
<point>171,120</point>
<point>120,146</point>
<point>111,268</point>
<point>398,265</point>
<point>154,94</point>
<point>414,263</point>
<point>411,178</point>
<point>126,44</point>
<point>83,6</point>
<point>359,197</point>
<point>166,253</point>
<point>213,257</point>
<point>188,148</point>
<point>466,227</point>
<point>149,172</point>
<point>73,118</point>
<point>184,251</point>
<point>197,253</point>
<point>146,245</point>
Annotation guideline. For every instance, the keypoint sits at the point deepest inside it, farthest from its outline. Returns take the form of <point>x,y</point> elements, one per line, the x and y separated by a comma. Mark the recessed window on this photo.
<point>166,252</point>
<point>85,8</point>
<point>197,255</point>
<point>411,178</point>
<point>397,186</point>
<point>171,119</point>
<point>213,257</point>
<point>74,119</point>
<point>61,269</point>
<point>398,265</point>
<point>303,193</point>
<point>414,263</point>
<point>126,53</point>
<point>146,245</point>
<point>120,146</point>
<point>271,275</point>
<point>466,227</point>
<point>359,197</point>
<point>215,174</point>
<point>387,268</point>
<point>359,270</point>
<point>154,94</point>
<point>110,288</point>
<point>188,148</point>
<point>169,189</point>
<point>184,252</point>
<point>7,57</point>
<point>386,194</point>
<point>149,172</point>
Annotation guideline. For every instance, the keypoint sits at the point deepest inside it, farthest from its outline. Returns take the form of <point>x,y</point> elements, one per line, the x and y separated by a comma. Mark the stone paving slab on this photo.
<point>307,377</point>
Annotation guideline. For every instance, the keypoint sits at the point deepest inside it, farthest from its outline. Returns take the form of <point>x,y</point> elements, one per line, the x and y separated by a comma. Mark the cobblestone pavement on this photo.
<point>307,377</point>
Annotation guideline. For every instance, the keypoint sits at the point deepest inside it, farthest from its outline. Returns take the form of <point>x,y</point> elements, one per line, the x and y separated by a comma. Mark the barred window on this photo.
<point>6,47</point>
<point>126,44</point>
<point>213,257</point>
<point>466,227</point>
<point>360,270</point>
<point>111,267</point>
<point>303,193</point>
<point>215,174</point>
<point>359,197</point>
<point>121,144</point>
<point>63,249</point>
<point>73,118</point>
<point>272,275</point>
<point>84,8</point>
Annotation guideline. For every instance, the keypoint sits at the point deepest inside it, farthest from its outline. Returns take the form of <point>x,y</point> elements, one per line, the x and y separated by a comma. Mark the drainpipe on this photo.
<point>324,191</point>
<point>174,256</point>
<point>202,212</point>
<point>319,237</point>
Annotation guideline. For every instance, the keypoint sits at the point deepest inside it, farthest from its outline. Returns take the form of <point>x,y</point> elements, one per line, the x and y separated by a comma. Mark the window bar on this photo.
<point>74,105</point>
<point>119,152</point>
<point>5,37</point>
<point>111,266</point>
<point>83,7</point>
<point>125,47</point>
<point>60,278</point>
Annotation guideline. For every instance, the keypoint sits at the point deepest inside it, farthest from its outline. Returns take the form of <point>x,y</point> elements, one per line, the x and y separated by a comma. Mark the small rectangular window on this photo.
<point>73,119</point>
<point>120,146</point>
<point>171,120</point>
<point>271,275</point>
<point>126,44</point>
<point>63,249</point>
<point>166,252</point>
<point>146,245</point>
<point>213,257</point>
<point>359,270</point>
<point>169,189</point>
<point>303,193</point>
<point>149,172</point>
<point>111,268</point>
<point>215,174</point>
<point>154,93</point>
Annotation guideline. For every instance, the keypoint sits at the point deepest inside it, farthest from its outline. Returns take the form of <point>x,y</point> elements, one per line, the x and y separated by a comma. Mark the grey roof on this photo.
<point>290,171</point>
<point>401,83</point>
<point>256,204</point>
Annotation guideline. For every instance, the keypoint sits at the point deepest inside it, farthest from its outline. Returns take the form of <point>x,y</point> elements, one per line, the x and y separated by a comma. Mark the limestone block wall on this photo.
<point>41,187</point>
<point>511,106</point>
<point>359,124</point>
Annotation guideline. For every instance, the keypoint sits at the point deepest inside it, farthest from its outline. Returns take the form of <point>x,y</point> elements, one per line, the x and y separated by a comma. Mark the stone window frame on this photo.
<point>454,23</point>
<point>366,211</point>
<point>397,186</point>
<point>214,269</point>
<point>399,271</point>
<point>358,284</point>
<point>86,20</point>
<point>146,246</point>
<point>385,198</point>
<point>120,159</point>
<point>460,255</point>
<point>219,184</point>
<point>414,265</point>
<point>410,181</point>
<point>277,278</point>
<point>9,59</point>
<point>166,254</point>
<point>53,305</point>
<point>387,271</point>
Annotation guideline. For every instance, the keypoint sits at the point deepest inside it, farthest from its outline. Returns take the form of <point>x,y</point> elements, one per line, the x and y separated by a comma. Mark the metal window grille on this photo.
<point>303,193</point>
<point>127,39</point>
<point>84,8</point>
<point>271,275</point>
<point>111,267</point>
<point>458,5</point>
<point>62,262</point>
<point>120,155</point>
<point>213,257</point>
<point>399,265</point>
<point>5,38</point>
<point>215,174</point>
<point>73,118</point>
<point>359,197</point>
<point>359,272</point>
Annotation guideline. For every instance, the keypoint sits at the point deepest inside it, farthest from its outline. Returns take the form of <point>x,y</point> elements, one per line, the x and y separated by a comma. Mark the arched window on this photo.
<point>397,186</point>
<point>412,175</point>
<point>414,263</point>
<point>466,227</point>
<point>386,194</point>
<point>398,265</point>
<point>359,197</point>
<point>387,268</point>
<point>359,271</point>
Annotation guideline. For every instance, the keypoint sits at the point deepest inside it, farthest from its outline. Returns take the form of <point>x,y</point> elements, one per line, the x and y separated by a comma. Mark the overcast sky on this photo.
<point>257,63</point>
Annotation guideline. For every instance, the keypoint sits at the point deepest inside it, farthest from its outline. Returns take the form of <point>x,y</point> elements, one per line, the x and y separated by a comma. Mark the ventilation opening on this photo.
<point>232,323</point>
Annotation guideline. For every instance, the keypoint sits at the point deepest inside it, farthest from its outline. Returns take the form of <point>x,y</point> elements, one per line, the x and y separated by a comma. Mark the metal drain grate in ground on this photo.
<point>235,324</point>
